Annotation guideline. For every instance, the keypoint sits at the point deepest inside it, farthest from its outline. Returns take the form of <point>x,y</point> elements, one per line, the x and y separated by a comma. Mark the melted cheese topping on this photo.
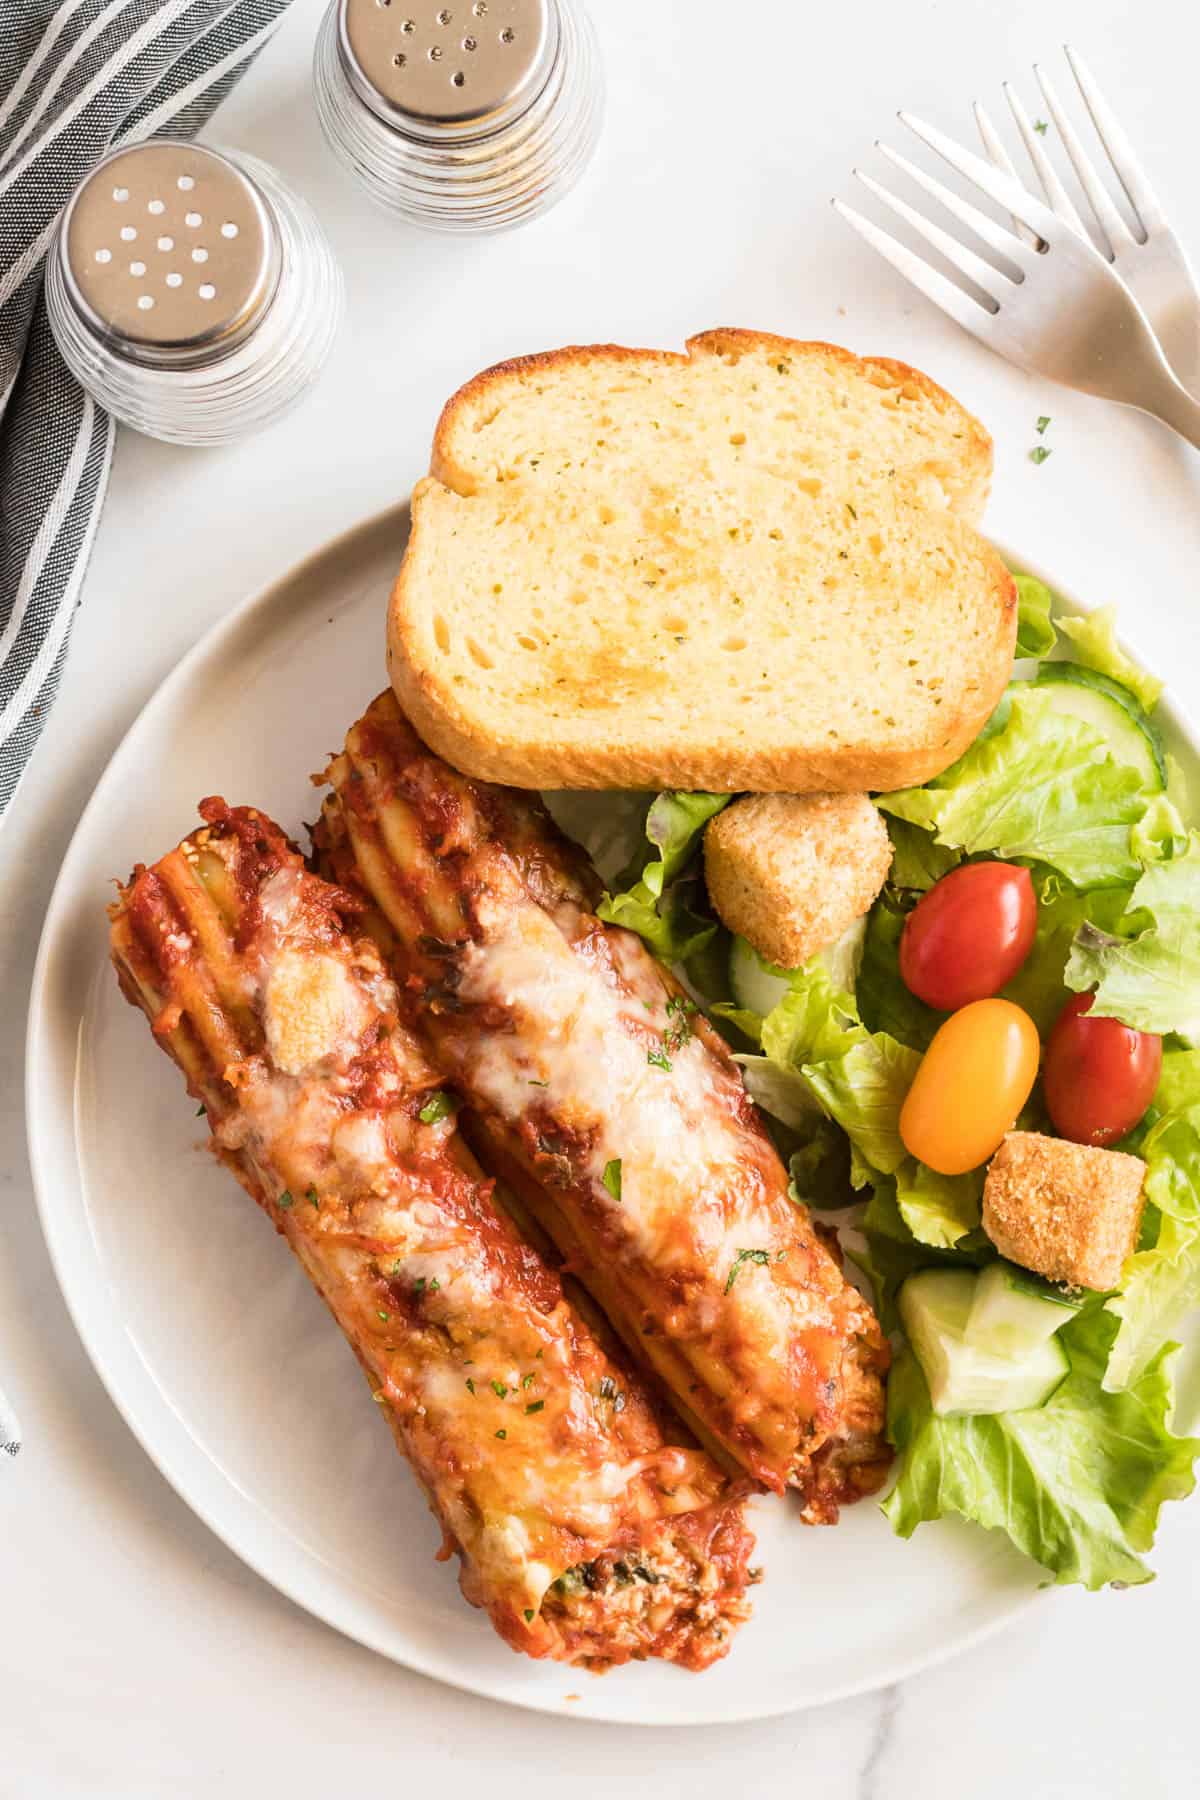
<point>499,1395</point>
<point>311,1007</point>
<point>686,1203</point>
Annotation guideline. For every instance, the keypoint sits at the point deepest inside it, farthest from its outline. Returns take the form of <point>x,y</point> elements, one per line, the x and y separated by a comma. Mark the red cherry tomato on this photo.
<point>1099,1076</point>
<point>968,935</point>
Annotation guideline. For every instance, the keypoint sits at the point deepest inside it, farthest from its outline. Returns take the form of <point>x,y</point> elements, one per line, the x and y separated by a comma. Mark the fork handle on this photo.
<point>1173,405</point>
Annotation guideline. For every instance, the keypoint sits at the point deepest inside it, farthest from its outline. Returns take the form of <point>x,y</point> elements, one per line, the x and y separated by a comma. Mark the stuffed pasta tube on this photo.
<point>584,1533</point>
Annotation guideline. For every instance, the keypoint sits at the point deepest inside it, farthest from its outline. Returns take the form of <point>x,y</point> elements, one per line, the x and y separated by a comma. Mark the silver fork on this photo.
<point>1154,265</point>
<point>1059,309</point>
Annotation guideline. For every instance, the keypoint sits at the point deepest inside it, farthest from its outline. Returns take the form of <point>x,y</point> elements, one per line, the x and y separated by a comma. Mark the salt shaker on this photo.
<point>469,116</point>
<point>190,292</point>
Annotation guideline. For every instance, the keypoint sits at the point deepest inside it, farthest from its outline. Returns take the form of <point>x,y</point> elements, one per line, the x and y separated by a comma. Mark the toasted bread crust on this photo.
<point>1068,1211</point>
<point>733,340</point>
<point>790,872</point>
<point>913,746</point>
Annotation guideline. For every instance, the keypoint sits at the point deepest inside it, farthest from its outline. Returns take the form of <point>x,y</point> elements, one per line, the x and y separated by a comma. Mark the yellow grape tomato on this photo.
<point>973,1081</point>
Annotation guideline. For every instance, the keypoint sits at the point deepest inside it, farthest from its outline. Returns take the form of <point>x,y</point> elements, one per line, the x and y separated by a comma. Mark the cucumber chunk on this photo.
<point>935,1306</point>
<point>758,986</point>
<point>1014,1311</point>
<point>1114,712</point>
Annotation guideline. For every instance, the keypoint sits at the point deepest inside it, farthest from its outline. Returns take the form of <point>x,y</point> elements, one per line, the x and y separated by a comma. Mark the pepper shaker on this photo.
<point>190,292</point>
<point>469,116</point>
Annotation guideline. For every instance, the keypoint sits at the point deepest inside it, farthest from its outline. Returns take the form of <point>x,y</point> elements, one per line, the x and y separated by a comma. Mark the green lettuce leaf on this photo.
<point>609,824</point>
<point>1171,1149</point>
<point>1161,1285</point>
<point>918,860</point>
<point>938,1209</point>
<point>863,1089</point>
<point>893,1253</point>
<point>1179,1083</point>
<point>740,1017</point>
<point>1160,833</point>
<point>1152,980</point>
<point>1036,636</point>
<point>1039,986</point>
<point>813,1021</point>
<point>656,899</point>
<point>779,1090</point>
<point>820,1168</point>
<point>1162,1280</point>
<point>1077,1484</point>
<point>884,1003</point>
<point>1044,787</point>
<point>1094,641</point>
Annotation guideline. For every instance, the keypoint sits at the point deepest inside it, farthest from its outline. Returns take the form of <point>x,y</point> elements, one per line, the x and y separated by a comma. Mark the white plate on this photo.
<point>209,1338</point>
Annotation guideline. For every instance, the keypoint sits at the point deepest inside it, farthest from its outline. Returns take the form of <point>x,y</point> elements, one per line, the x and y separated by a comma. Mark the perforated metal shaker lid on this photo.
<point>458,69</point>
<point>171,252</point>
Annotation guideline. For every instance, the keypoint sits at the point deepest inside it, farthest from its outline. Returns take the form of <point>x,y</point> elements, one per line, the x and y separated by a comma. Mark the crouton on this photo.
<point>1068,1211</point>
<point>791,871</point>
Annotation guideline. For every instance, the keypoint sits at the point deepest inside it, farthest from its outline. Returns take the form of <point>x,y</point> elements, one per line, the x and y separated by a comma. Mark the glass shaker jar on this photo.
<point>470,116</point>
<point>190,292</point>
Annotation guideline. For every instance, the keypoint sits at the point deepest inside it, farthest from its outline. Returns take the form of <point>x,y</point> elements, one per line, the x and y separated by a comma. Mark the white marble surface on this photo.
<point>137,1657</point>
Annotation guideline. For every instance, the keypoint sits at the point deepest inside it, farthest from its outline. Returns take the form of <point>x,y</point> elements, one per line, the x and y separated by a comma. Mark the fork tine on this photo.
<point>1000,159</point>
<point>984,274</point>
<point>1129,170</point>
<point>997,237</point>
<point>1112,226</point>
<point>961,307</point>
<point>1011,194</point>
<point>1056,194</point>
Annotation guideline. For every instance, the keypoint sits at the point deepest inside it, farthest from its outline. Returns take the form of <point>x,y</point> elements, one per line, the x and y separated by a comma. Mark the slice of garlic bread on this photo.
<point>750,567</point>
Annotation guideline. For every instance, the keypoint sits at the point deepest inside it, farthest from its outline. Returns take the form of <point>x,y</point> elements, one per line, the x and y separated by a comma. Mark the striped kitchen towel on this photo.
<point>76,78</point>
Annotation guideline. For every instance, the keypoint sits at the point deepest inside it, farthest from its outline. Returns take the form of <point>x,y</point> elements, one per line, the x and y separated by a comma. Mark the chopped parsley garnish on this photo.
<point>527,1381</point>
<point>535,1406</point>
<point>380,1314</point>
<point>1041,127</point>
<point>313,1198</point>
<point>658,1059</point>
<point>1039,454</point>
<point>285,1199</point>
<point>529,1615</point>
<point>200,1111</point>
<point>1042,423</point>
<point>611,1178</point>
<point>470,1385</point>
<point>679,1031</point>
<point>761,1257</point>
<point>502,1433</point>
<point>498,1388</point>
<point>439,1106</point>
<point>422,1285</point>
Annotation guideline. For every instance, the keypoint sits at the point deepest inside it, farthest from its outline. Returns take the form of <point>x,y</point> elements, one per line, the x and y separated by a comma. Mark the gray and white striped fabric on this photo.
<point>76,77</point>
